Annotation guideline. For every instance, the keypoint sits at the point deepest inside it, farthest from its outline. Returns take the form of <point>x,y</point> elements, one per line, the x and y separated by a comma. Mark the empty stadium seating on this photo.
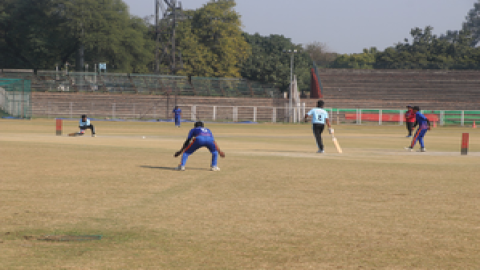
<point>342,88</point>
<point>347,88</point>
<point>150,84</point>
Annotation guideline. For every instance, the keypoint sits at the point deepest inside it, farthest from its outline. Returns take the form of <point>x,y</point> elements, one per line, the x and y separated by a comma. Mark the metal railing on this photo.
<point>194,112</point>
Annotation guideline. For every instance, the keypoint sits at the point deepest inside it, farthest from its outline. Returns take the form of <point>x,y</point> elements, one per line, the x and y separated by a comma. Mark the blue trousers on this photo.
<point>419,137</point>
<point>198,143</point>
<point>177,120</point>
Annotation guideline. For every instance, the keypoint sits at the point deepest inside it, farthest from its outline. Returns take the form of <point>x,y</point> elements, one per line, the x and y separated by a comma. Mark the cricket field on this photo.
<point>275,204</point>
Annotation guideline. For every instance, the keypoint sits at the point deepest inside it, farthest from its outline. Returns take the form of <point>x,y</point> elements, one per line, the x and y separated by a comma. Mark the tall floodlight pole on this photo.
<point>173,67</point>
<point>171,14</point>
<point>157,37</point>
<point>290,101</point>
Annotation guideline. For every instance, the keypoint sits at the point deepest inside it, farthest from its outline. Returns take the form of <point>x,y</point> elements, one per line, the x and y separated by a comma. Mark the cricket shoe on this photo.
<point>215,169</point>
<point>180,168</point>
<point>94,135</point>
<point>320,151</point>
<point>408,136</point>
<point>422,150</point>
<point>409,149</point>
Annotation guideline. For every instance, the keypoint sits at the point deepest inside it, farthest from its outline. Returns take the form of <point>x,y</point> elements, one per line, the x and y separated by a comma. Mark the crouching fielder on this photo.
<point>199,137</point>
<point>85,124</point>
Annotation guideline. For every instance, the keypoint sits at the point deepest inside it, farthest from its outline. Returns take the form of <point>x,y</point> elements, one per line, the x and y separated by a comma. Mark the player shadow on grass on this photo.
<point>172,168</point>
<point>278,151</point>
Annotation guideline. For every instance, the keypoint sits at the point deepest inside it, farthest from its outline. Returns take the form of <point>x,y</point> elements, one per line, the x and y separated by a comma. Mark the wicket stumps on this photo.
<point>59,127</point>
<point>465,139</point>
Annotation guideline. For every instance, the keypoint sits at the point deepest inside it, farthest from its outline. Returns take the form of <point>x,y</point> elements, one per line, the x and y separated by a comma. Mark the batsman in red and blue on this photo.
<point>423,127</point>
<point>410,120</point>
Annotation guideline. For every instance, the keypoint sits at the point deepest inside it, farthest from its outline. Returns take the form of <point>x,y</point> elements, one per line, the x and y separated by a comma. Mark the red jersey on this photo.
<point>410,116</point>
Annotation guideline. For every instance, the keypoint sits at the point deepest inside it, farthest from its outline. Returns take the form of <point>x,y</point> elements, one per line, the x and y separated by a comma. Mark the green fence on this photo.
<point>162,84</point>
<point>150,84</point>
<point>386,116</point>
<point>15,98</point>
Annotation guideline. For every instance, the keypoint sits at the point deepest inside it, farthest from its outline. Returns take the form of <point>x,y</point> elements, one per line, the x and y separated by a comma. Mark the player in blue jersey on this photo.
<point>199,137</point>
<point>84,124</point>
<point>319,119</point>
<point>423,127</point>
<point>177,112</point>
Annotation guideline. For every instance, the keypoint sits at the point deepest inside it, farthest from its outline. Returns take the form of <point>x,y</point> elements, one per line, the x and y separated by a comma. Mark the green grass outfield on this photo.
<point>275,204</point>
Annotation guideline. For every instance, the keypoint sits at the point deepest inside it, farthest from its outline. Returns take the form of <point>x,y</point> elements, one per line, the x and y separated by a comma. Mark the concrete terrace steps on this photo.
<point>425,77</point>
<point>378,84</point>
<point>398,72</point>
<point>386,92</point>
<point>387,88</point>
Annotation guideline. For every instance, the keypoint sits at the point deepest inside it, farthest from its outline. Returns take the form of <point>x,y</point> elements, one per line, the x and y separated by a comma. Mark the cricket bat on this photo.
<point>75,134</point>
<point>337,145</point>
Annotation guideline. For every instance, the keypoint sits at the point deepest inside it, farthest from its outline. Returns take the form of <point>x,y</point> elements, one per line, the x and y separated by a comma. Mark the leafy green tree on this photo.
<point>427,51</point>
<point>39,34</point>
<point>320,53</point>
<point>29,34</point>
<point>196,56</point>
<point>365,60</point>
<point>473,24</point>
<point>269,64</point>
<point>108,33</point>
<point>218,27</point>
<point>211,41</point>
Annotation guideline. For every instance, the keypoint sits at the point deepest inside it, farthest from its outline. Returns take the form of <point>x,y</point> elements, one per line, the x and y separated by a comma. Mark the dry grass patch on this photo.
<point>275,204</point>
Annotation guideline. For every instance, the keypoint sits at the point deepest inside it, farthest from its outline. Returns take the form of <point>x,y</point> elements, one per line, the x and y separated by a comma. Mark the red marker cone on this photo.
<point>474,125</point>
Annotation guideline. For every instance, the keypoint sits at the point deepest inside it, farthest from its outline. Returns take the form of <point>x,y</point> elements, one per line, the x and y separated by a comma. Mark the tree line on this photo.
<point>43,34</point>
<point>424,50</point>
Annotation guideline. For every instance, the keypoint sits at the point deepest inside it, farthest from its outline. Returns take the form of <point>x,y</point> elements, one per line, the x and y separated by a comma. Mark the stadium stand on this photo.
<point>150,84</point>
<point>343,88</point>
<point>118,83</point>
<point>347,88</point>
<point>162,84</point>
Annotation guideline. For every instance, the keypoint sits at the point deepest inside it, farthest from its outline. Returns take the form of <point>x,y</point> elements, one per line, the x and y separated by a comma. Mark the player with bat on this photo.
<point>199,137</point>
<point>319,119</point>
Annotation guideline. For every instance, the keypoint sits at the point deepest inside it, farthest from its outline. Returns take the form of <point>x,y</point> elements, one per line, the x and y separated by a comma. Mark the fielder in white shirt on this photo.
<point>85,124</point>
<point>319,119</point>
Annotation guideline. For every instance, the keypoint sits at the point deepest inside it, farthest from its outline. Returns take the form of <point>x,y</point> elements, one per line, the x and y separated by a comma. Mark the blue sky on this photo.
<point>346,26</point>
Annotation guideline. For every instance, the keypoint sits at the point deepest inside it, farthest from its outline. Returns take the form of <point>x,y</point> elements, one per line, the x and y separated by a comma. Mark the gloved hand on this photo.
<point>330,130</point>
